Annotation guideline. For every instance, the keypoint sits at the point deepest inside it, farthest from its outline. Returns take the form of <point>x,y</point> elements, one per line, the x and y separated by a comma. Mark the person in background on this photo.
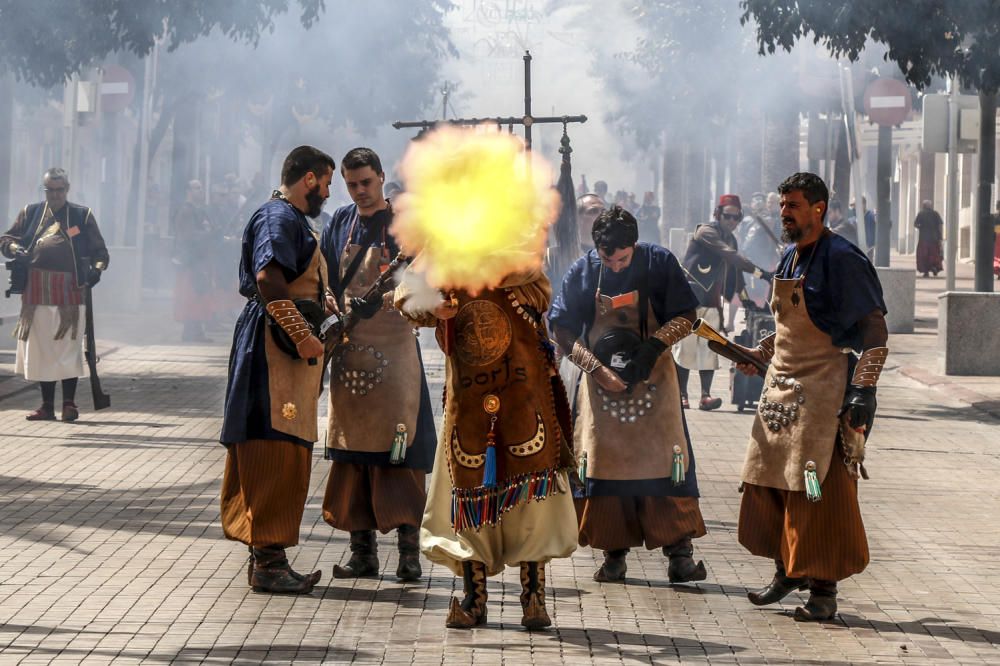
<point>930,231</point>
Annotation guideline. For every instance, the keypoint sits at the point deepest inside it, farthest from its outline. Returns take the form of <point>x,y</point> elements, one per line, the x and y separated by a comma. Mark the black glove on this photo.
<point>859,405</point>
<point>766,276</point>
<point>640,366</point>
<point>364,308</point>
<point>93,277</point>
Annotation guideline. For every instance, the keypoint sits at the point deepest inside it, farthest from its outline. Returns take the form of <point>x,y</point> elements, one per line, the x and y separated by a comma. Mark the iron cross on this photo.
<point>527,120</point>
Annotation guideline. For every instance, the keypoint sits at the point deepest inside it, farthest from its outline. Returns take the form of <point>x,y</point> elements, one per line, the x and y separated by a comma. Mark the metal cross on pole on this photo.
<point>527,120</point>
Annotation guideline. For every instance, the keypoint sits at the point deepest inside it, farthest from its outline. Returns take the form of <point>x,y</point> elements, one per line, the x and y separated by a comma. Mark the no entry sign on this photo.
<point>117,89</point>
<point>887,101</point>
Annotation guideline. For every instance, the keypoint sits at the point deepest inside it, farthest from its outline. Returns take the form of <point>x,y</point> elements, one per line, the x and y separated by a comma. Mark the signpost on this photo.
<point>887,103</point>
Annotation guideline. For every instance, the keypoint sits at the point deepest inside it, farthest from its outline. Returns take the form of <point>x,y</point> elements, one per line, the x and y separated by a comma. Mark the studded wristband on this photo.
<point>766,347</point>
<point>289,319</point>
<point>583,358</point>
<point>673,331</point>
<point>869,367</point>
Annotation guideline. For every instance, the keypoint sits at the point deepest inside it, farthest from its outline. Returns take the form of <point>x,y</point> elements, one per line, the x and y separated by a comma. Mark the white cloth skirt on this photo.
<point>42,359</point>
<point>692,352</point>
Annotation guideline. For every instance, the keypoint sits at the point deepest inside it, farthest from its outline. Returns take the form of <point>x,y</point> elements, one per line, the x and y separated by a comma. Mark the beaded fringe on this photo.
<point>475,507</point>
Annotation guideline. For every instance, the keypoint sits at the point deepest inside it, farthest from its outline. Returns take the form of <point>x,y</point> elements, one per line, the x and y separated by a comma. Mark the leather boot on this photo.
<point>314,576</point>
<point>533,596</point>
<point>682,568</point>
<point>272,573</point>
<point>471,610</point>
<point>779,587</point>
<point>408,541</point>
<point>822,604</point>
<point>614,567</point>
<point>364,557</point>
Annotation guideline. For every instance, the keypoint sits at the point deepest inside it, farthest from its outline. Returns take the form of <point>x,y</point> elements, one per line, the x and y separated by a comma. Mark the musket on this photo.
<point>723,347</point>
<point>101,399</point>
<point>335,329</point>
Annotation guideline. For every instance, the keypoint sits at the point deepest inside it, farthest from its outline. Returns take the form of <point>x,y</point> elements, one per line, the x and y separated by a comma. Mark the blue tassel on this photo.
<point>490,467</point>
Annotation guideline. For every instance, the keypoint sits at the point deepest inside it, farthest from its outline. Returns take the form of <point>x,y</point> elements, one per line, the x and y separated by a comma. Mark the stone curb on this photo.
<point>976,400</point>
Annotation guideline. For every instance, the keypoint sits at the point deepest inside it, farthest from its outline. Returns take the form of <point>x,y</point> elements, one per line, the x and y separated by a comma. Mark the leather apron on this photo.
<point>294,385</point>
<point>375,377</point>
<point>796,420</point>
<point>630,435</point>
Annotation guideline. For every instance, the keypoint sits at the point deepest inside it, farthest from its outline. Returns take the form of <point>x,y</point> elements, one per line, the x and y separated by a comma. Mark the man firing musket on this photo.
<point>57,255</point>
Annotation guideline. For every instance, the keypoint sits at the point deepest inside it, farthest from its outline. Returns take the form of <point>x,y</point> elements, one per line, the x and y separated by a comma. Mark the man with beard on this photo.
<point>269,425</point>
<point>620,307</point>
<point>714,268</point>
<point>800,494</point>
<point>58,249</point>
<point>381,435</point>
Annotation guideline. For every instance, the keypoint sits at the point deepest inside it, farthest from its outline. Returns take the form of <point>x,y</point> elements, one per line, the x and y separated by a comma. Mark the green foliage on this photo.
<point>45,41</point>
<point>925,38</point>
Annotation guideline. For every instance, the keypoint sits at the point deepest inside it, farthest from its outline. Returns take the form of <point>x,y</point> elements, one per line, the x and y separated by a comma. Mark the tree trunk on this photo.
<point>883,171</point>
<point>781,146</point>
<point>746,162</point>
<point>985,235</point>
<point>183,167</point>
<point>6,144</point>
<point>671,216</point>
<point>842,170</point>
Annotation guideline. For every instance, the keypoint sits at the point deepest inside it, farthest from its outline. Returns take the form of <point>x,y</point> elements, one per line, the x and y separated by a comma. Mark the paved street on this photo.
<point>111,550</point>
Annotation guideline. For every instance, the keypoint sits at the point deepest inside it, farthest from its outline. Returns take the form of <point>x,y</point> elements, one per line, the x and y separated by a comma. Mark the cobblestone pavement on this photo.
<point>111,550</point>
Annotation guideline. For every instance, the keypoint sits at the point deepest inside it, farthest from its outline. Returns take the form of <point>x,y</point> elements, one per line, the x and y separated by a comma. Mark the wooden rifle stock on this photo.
<point>101,399</point>
<point>723,347</point>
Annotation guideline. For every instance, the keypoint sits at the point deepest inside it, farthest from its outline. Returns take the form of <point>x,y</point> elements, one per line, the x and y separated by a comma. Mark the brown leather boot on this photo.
<point>272,573</point>
<point>408,542</point>
<point>779,588</point>
<point>313,577</point>
<point>614,567</point>
<point>533,596</point>
<point>364,557</point>
<point>822,604</point>
<point>471,610</point>
<point>682,568</point>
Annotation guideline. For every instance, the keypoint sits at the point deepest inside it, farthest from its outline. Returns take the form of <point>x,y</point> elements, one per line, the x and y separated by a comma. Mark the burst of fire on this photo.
<point>476,208</point>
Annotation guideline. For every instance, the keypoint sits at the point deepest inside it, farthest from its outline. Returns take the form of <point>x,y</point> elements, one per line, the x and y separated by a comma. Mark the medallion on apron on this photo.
<point>796,421</point>
<point>630,435</point>
<point>294,385</point>
<point>375,377</point>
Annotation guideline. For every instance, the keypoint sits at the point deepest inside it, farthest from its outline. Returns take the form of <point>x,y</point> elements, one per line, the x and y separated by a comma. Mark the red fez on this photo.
<point>730,200</point>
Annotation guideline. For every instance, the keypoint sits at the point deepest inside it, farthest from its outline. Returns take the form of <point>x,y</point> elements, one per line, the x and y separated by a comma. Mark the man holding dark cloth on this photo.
<point>381,435</point>
<point>269,425</point>
<point>800,493</point>
<point>58,251</point>
<point>640,487</point>
<point>714,268</point>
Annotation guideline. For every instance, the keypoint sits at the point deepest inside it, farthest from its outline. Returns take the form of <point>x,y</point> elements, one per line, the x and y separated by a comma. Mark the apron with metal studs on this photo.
<point>631,435</point>
<point>375,377</point>
<point>796,421</point>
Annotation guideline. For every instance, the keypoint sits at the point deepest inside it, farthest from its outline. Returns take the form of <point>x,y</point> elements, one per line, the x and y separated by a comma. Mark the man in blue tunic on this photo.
<point>381,436</point>
<point>272,396</point>
<point>620,307</point>
<point>800,478</point>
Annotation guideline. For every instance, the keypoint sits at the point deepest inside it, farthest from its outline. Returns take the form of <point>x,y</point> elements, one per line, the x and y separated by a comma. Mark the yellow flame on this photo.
<point>476,208</point>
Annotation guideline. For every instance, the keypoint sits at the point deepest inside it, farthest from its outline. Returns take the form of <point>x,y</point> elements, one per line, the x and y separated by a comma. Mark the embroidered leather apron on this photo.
<point>630,435</point>
<point>497,350</point>
<point>796,419</point>
<point>292,383</point>
<point>375,377</point>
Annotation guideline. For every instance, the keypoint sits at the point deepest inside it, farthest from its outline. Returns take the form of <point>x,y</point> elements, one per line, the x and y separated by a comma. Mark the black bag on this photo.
<point>18,276</point>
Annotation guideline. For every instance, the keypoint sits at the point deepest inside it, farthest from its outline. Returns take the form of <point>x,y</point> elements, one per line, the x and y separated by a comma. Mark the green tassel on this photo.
<point>813,492</point>
<point>677,476</point>
<point>581,466</point>
<point>397,453</point>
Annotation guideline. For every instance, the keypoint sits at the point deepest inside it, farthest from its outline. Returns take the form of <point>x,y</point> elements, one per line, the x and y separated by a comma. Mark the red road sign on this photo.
<point>887,101</point>
<point>117,89</point>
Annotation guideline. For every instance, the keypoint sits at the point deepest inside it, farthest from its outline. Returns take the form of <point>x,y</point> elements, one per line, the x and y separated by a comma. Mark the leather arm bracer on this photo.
<point>583,358</point>
<point>673,331</point>
<point>869,367</point>
<point>289,319</point>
